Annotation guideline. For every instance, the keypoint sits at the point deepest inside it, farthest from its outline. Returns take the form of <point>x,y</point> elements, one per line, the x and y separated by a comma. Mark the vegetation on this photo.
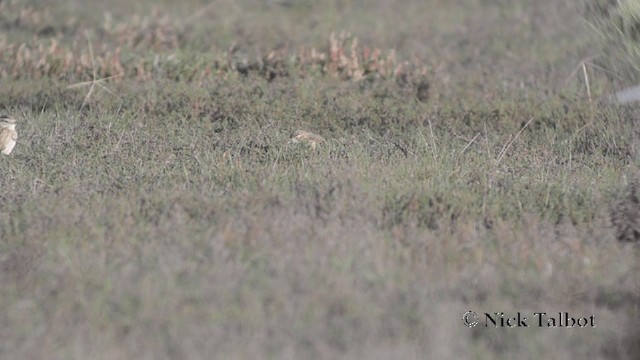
<point>155,208</point>
<point>617,24</point>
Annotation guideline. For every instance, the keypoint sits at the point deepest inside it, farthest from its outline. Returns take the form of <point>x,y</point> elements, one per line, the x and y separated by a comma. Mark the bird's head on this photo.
<point>7,122</point>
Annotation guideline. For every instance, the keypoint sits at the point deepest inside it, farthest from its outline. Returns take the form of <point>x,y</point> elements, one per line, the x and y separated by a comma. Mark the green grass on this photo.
<point>170,217</point>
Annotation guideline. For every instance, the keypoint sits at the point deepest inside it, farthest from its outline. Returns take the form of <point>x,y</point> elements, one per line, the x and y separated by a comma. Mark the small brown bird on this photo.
<point>301,136</point>
<point>8,134</point>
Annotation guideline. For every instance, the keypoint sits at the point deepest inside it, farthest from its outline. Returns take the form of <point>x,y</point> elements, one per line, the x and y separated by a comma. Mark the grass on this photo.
<point>166,214</point>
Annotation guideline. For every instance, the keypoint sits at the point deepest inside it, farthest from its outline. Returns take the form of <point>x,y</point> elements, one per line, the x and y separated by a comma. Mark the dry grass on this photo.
<point>157,209</point>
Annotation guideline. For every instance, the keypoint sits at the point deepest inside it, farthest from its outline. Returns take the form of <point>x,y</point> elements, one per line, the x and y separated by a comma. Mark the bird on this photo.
<point>8,134</point>
<point>301,136</point>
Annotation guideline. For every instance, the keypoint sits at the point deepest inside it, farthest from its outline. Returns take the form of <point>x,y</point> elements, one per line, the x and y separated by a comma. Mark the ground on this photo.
<point>471,160</point>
